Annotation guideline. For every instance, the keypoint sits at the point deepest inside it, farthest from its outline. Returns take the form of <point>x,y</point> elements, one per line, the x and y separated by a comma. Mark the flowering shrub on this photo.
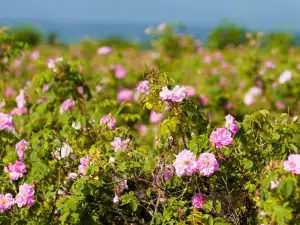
<point>108,141</point>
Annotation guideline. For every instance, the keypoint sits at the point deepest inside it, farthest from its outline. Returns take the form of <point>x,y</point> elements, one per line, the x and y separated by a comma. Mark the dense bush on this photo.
<point>225,34</point>
<point>27,34</point>
<point>100,135</point>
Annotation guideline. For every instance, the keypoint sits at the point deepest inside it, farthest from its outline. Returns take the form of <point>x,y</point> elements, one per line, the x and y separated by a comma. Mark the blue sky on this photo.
<point>253,13</point>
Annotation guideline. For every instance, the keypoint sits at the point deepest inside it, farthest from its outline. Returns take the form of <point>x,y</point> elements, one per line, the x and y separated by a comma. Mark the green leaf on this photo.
<point>287,188</point>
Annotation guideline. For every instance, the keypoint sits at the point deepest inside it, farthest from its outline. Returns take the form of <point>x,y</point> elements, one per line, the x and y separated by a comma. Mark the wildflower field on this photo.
<point>92,133</point>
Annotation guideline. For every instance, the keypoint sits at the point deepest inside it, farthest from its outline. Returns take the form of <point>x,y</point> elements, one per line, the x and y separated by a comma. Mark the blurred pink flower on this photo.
<point>142,129</point>
<point>104,50</point>
<point>280,105</point>
<point>116,199</point>
<point>221,137</point>
<point>120,71</point>
<point>109,120</point>
<point>46,87</point>
<point>80,90</point>
<point>270,65</point>
<point>176,95</point>
<point>191,91</point>
<point>274,184</point>
<point>84,162</point>
<point>156,117</point>
<point>161,27</point>
<point>2,104</point>
<point>229,105</point>
<point>207,59</point>
<point>34,55</point>
<point>125,95</point>
<point>67,106</point>
<point>203,100</point>
<point>9,92</point>
<point>143,87</point>
<point>118,144</point>
<point>20,99</point>
<point>285,76</point>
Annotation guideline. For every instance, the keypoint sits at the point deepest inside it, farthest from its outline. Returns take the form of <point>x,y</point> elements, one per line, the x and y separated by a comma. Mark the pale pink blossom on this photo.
<point>221,137</point>
<point>6,121</point>
<point>116,199</point>
<point>6,202</point>
<point>2,104</point>
<point>25,196</point>
<point>120,71</point>
<point>84,162</point>
<point>274,184</point>
<point>18,111</point>
<point>184,163</point>
<point>142,129</point>
<point>109,120</point>
<point>104,50</point>
<point>176,95</point>
<point>46,88</point>
<point>118,144</point>
<point>20,99</point>
<point>292,164</point>
<point>168,173</point>
<point>207,164</point>
<point>143,87</point>
<point>9,92</point>
<point>191,91</point>
<point>161,27</point>
<point>280,105</point>
<point>231,124</point>
<point>285,77</point>
<point>16,170</point>
<point>80,90</point>
<point>203,100</point>
<point>270,65</point>
<point>22,147</point>
<point>125,95</point>
<point>156,117</point>
<point>207,59</point>
<point>67,106</point>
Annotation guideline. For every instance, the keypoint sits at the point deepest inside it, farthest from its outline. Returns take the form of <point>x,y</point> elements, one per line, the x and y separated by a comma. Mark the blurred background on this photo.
<point>72,20</point>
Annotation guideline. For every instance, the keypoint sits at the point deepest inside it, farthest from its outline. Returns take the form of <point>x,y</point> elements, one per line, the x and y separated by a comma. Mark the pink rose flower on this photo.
<point>6,202</point>
<point>120,71</point>
<point>118,144</point>
<point>270,65</point>
<point>25,196</point>
<point>125,95</point>
<point>19,111</point>
<point>46,87</point>
<point>191,91</point>
<point>6,121</point>
<point>231,124</point>
<point>156,117</point>
<point>16,170</point>
<point>143,87</point>
<point>142,129</point>
<point>184,163</point>
<point>206,164</point>
<point>21,147</point>
<point>9,92</point>
<point>67,106</point>
<point>109,120</point>
<point>221,137</point>
<point>280,105</point>
<point>168,174</point>
<point>292,164</point>
<point>84,162</point>
<point>176,95</point>
<point>105,50</point>
<point>80,90</point>
<point>198,200</point>
<point>203,100</point>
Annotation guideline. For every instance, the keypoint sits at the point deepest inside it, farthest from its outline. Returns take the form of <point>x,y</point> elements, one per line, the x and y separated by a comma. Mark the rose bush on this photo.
<point>100,139</point>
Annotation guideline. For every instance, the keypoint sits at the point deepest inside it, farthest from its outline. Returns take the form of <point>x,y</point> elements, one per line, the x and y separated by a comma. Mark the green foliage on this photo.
<point>227,33</point>
<point>27,34</point>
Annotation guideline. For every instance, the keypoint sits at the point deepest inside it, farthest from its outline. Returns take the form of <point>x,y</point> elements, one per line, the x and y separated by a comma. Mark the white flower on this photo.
<point>63,151</point>
<point>76,126</point>
<point>285,76</point>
